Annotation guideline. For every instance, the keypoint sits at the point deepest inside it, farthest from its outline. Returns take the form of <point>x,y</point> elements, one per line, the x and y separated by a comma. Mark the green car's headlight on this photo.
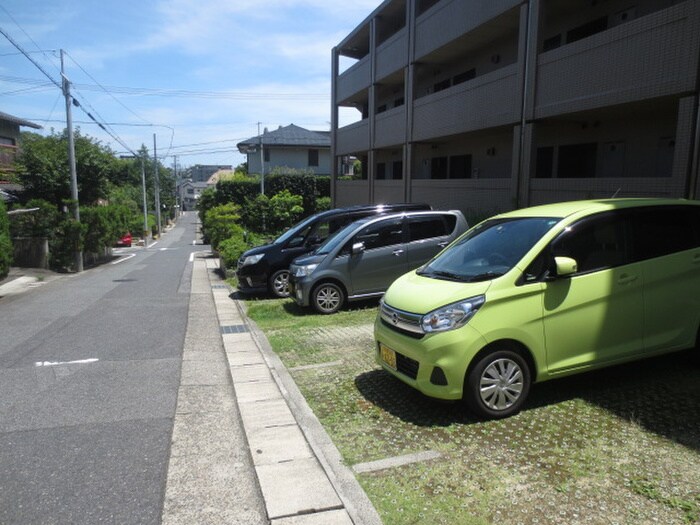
<point>452,316</point>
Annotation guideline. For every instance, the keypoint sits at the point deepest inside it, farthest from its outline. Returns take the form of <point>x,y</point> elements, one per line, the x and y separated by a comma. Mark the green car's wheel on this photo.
<point>497,385</point>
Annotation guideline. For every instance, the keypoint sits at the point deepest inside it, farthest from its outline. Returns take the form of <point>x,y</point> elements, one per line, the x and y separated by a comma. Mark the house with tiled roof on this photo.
<point>9,144</point>
<point>288,147</point>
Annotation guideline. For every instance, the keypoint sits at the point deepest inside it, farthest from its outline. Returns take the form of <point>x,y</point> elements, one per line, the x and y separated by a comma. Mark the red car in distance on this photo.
<point>124,240</point>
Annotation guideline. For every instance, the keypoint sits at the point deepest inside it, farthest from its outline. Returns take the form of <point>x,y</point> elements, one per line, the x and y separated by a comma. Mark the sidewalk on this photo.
<point>300,473</point>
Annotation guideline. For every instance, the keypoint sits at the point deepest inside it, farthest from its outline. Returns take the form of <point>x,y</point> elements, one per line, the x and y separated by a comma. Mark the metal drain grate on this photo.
<point>234,329</point>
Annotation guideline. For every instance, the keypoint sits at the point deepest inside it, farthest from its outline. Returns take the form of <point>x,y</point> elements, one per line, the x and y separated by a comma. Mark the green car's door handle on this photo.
<point>626,279</point>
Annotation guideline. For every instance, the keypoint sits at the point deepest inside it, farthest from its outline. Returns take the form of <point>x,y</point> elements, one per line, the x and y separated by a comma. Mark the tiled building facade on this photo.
<point>488,105</point>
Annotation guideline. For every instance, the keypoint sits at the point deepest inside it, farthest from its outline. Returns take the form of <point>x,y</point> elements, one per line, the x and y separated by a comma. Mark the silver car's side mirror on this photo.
<point>358,247</point>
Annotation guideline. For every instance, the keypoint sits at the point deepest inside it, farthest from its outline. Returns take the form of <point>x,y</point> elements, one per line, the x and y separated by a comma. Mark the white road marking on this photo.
<point>58,363</point>
<point>124,259</point>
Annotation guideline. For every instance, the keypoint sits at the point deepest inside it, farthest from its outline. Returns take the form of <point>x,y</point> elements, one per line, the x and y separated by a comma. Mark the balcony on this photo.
<point>605,69</point>
<point>354,80</point>
<point>392,55</point>
<point>450,19</point>
<point>390,127</point>
<point>353,138</point>
<point>487,101</point>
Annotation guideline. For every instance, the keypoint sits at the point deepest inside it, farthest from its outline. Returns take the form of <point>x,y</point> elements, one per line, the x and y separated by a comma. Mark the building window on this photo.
<point>544,165</point>
<point>397,170</point>
<point>552,42</point>
<point>381,109</point>
<point>577,161</point>
<point>313,157</point>
<point>438,168</point>
<point>381,171</point>
<point>443,84</point>
<point>6,141</point>
<point>460,166</point>
<point>266,155</point>
<point>590,28</point>
<point>464,76</point>
<point>398,102</point>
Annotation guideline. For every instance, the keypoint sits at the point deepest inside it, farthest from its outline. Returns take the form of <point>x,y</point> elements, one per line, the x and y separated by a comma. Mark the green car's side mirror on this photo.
<point>565,266</point>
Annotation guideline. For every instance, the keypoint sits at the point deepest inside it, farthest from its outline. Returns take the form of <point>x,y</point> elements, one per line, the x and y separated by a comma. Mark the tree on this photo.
<point>43,170</point>
<point>5,244</point>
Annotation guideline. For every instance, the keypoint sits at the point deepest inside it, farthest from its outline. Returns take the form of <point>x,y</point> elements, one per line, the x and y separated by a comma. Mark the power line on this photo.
<point>105,90</point>
<point>183,93</point>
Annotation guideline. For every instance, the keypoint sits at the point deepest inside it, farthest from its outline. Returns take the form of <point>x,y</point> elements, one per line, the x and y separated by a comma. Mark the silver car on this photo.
<point>361,260</point>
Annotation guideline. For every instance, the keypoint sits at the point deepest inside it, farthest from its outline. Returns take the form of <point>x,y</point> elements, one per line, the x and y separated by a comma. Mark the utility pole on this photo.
<point>71,161</point>
<point>262,165</point>
<point>157,184</point>
<point>177,188</point>
<point>145,203</point>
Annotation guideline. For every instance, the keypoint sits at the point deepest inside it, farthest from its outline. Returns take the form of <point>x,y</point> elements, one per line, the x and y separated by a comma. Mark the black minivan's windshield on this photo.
<point>299,230</point>
<point>488,250</point>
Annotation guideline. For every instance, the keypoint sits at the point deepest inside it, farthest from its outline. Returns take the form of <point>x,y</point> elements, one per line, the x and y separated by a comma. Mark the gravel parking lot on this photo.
<point>617,446</point>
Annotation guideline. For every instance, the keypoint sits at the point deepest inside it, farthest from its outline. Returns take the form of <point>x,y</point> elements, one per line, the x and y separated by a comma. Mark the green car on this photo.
<point>545,292</point>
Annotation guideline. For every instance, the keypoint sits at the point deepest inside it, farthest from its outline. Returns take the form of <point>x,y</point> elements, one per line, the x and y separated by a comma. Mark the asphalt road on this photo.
<point>89,373</point>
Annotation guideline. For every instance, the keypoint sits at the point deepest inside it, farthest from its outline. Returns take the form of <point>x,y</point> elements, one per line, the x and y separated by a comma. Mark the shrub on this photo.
<point>66,240</point>
<point>242,190</point>
<point>5,243</point>
<point>270,215</point>
<point>103,226</point>
<point>220,223</point>
<point>231,249</point>
<point>323,204</point>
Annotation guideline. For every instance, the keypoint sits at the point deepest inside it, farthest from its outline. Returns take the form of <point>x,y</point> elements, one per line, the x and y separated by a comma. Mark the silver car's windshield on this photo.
<point>337,238</point>
<point>488,250</point>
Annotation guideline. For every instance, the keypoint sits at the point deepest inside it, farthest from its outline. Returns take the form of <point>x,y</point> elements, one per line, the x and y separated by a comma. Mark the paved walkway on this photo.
<point>298,473</point>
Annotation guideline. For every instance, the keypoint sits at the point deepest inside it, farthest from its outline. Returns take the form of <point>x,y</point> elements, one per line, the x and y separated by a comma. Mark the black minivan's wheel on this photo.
<point>497,385</point>
<point>279,283</point>
<point>327,298</point>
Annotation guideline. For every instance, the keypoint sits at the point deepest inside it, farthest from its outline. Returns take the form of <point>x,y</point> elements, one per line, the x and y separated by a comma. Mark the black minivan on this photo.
<point>266,268</point>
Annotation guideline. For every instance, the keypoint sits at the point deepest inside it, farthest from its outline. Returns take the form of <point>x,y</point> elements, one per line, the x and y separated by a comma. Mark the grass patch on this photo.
<point>603,447</point>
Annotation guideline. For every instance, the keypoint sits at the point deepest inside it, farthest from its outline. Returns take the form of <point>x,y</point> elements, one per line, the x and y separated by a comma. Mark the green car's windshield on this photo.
<point>488,250</point>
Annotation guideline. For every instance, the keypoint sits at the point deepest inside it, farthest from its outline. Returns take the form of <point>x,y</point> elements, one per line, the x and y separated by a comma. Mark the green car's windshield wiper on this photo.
<point>442,275</point>
<point>484,276</point>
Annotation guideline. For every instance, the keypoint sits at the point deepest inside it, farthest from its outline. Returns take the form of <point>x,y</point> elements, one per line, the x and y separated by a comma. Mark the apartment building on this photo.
<point>488,105</point>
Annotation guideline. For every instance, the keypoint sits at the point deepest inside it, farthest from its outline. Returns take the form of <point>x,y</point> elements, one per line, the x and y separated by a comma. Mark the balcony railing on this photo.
<point>449,19</point>
<point>487,101</point>
<point>354,79</point>
<point>641,59</point>
<point>390,127</point>
<point>353,138</point>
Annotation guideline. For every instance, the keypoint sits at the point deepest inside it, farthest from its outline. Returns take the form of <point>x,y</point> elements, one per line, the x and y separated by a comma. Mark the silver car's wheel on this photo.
<point>279,283</point>
<point>328,298</point>
<point>498,384</point>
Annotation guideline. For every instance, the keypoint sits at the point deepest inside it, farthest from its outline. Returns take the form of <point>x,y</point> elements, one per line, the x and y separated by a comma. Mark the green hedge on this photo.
<point>5,243</point>
<point>309,187</point>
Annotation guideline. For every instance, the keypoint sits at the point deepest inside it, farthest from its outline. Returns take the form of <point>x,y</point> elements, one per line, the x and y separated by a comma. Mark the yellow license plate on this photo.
<point>388,356</point>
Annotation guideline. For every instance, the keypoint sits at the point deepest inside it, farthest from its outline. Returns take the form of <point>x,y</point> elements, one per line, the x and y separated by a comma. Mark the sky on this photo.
<point>199,74</point>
